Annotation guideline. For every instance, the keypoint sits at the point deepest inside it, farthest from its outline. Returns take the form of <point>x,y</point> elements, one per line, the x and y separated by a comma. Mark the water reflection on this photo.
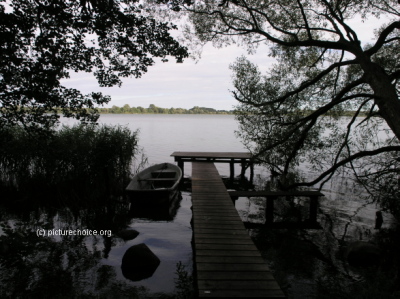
<point>32,265</point>
<point>314,263</point>
<point>165,212</point>
<point>139,262</point>
<point>88,265</point>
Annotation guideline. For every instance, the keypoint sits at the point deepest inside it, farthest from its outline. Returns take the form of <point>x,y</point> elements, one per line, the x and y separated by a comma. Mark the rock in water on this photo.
<point>128,234</point>
<point>139,262</point>
<point>378,220</point>
<point>363,254</point>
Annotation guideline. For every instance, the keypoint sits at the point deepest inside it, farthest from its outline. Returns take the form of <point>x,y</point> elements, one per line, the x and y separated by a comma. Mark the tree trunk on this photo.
<point>385,94</point>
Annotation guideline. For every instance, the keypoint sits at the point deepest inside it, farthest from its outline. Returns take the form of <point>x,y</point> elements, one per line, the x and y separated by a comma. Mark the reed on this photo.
<point>74,164</point>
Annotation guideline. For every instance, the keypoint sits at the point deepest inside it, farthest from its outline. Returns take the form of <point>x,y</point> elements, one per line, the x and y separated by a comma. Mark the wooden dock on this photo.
<point>244,158</point>
<point>310,223</point>
<point>227,262</point>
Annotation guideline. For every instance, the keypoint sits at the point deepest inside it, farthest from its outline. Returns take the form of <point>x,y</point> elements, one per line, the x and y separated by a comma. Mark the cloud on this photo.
<point>204,83</point>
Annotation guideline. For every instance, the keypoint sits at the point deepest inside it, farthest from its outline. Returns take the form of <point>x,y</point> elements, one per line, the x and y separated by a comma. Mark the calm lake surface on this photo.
<point>343,216</point>
<point>343,213</point>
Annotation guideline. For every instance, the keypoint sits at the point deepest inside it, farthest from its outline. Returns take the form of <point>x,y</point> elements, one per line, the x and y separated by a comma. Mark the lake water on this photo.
<point>343,215</point>
<point>160,135</point>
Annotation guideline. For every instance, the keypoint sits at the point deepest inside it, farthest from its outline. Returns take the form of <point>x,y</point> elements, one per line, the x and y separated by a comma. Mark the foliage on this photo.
<point>376,282</point>
<point>43,41</point>
<point>380,177</point>
<point>80,163</point>
<point>153,109</point>
<point>184,282</point>
<point>290,115</point>
<point>66,267</point>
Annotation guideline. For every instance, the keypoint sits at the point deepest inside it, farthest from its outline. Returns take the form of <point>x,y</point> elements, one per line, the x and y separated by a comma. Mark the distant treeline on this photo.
<point>152,109</point>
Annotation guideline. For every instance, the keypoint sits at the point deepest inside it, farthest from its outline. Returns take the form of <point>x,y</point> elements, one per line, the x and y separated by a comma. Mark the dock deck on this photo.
<point>227,262</point>
<point>244,158</point>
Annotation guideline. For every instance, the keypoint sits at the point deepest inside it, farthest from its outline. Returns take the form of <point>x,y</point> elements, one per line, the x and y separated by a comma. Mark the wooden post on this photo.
<point>232,169</point>
<point>251,172</point>
<point>234,199</point>
<point>313,208</point>
<point>269,211</point>
<point>243,171</point>
<point>180,165</point>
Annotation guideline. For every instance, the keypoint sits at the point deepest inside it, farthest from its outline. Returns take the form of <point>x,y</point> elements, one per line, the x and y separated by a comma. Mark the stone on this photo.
<point>363,254</point>
<point>139,262</point>
<point>128,234</point>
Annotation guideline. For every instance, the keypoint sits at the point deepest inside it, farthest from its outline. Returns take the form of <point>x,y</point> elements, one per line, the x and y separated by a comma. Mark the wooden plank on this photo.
<point>228,263</point>
<point>215,226</point>
<point>223,293</point>
<point>238,253</point>
<point>217,217</point>
<point>220,239</point>
<point>229,259</point>
<point>226,247</point>
<point>214,200</point>
<point>216,220</point>
<point>216,239</point>
<point>235,275</point>
<point>218,196</point>
<point>231,267</point>
<point>204,182</point>
<point>210,211</point>
<point>206,211</point>
<point>274,193</point>
<point>214,210</point>
<point>215,204</point>
<point>263,284</point>
<point>227,155</point>
<point>232,232</point>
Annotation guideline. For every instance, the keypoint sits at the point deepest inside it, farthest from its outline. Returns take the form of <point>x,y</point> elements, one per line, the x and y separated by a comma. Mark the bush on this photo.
<point>83,162</point>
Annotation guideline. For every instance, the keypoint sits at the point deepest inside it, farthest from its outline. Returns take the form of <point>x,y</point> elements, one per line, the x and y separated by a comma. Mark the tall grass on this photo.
<point>74,164</point>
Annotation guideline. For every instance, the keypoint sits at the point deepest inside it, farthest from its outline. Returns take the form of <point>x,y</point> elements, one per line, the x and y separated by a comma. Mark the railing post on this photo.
<point>269,210</point>
<point>243,171</point>
<point>251,171</point>
<point>232,169</point>
<point>180,165</point>
<point>313,208</point>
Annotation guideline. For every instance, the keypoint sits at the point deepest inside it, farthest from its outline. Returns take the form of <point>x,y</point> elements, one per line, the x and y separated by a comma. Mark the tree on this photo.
<point>290,115</point>
<point>42,41</point>
<point>126,108</point>
<point>152,108</point>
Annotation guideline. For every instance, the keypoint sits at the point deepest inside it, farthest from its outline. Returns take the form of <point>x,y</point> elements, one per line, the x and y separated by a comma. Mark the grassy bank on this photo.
<point>75,164</point>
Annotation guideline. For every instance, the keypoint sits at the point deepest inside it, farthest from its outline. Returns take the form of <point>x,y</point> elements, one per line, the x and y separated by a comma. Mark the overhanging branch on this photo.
<point>348,160</point>
<point>382,38</point>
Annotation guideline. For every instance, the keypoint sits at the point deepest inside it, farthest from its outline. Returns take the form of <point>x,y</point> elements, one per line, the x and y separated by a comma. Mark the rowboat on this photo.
<point>157,184</point>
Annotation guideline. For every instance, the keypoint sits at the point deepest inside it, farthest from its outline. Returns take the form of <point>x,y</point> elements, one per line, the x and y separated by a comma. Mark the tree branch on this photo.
<point>309,83</point>
<point>350,33</point>
<point>305,19</point>
<point>297,146</point>
<point>347,160</point>
<point>382,38</point>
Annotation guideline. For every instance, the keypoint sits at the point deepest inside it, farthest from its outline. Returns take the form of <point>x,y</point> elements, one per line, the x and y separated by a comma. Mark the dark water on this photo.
<point>91,265</point>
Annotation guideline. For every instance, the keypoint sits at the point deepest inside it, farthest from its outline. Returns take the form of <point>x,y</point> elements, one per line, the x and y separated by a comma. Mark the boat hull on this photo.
<point>155,185</point>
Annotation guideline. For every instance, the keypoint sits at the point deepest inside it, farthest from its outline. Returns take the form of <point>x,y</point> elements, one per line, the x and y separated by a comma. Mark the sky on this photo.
<point>205,82</point>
